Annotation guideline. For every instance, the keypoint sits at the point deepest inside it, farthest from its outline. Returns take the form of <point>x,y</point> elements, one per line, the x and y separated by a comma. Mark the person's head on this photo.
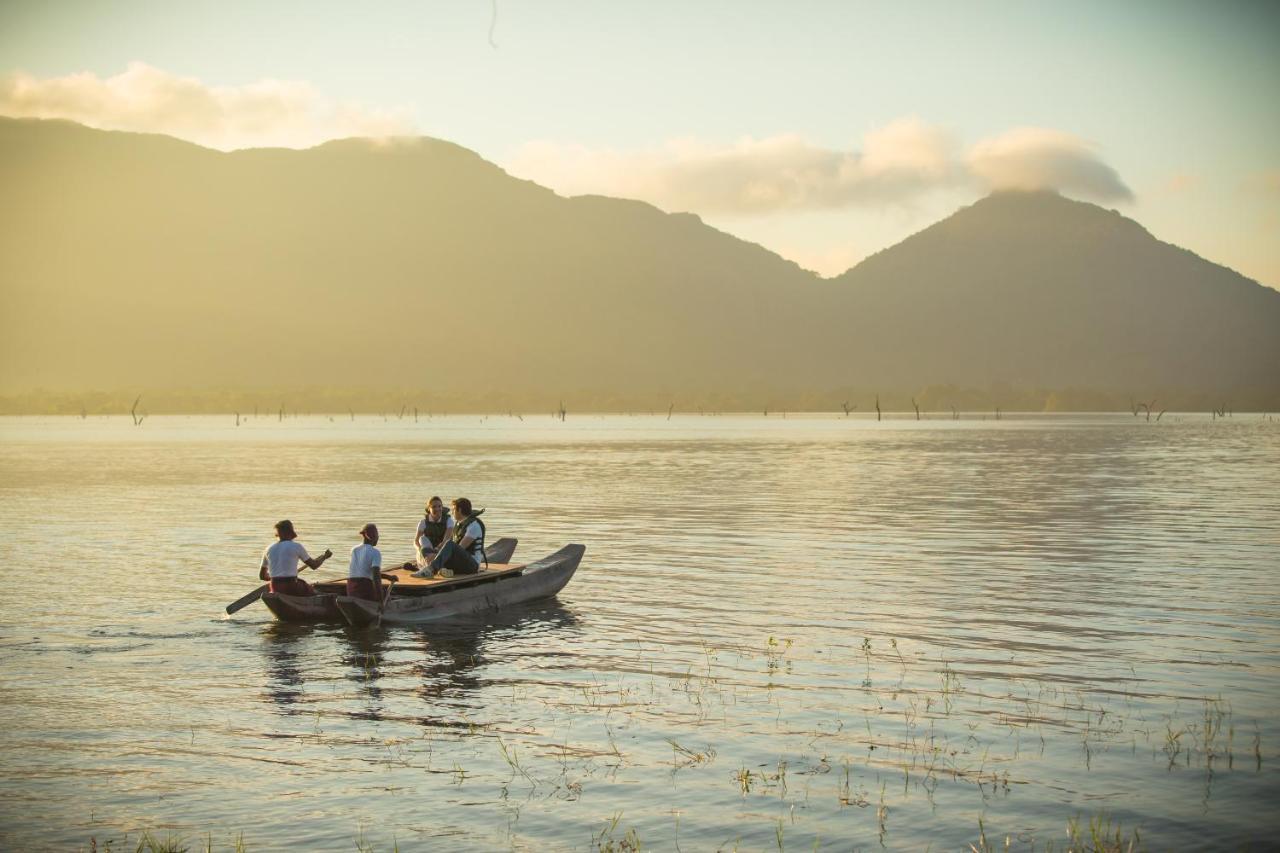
<point>461,508</point>
<point>435,507</point>
<point>370,533</point>
<point>284,530</point>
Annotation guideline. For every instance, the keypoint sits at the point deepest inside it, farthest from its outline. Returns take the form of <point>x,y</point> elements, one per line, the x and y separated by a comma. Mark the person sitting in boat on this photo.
<point>463,552</point>
<point>433,530</point>
<point>365,573</point>
<point>280,562</point>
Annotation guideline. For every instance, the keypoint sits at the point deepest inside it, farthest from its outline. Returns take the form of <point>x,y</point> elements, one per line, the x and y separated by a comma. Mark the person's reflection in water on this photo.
<point>363,659</point>
<point>281,644</point>
<point>454,653</point>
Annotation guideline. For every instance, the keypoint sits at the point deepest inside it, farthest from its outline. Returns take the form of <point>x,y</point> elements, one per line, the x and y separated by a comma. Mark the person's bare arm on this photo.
<point>316,562</point>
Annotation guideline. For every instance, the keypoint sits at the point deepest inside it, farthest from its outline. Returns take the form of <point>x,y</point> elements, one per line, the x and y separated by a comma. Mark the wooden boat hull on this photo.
<point>323,606</point>
<point>471,594</point>
<point>303,608</point>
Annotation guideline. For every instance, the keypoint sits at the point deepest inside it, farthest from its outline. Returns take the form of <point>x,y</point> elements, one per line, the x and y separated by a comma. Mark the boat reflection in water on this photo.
<point>440,664</point>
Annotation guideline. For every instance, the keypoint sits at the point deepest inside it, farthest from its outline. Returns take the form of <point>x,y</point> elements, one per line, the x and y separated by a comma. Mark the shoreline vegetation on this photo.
<point>932,402</point>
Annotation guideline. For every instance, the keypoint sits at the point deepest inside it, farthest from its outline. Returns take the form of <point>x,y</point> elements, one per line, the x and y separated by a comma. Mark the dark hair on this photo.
<point>432,500</point>
<point>463,505</point>
<point>285,526</point>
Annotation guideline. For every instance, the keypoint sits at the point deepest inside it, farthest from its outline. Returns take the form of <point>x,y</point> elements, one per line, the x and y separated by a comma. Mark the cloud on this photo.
<point>1030,158</point>
<point>753,175</point>
<point>282,113</point>
<point>896,164</point>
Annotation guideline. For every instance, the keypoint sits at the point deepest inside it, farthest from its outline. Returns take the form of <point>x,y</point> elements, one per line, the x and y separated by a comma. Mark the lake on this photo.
<point>815,631</point>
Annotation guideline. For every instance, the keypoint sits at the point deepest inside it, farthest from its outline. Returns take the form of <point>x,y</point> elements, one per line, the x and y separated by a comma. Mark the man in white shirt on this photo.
<point>280,562</point>
<point>364,577</point>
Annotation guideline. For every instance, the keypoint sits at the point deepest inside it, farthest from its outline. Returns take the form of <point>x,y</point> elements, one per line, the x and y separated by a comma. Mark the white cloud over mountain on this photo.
<point>144,98</point>
<point>895,164</point>
<point>1030,158</point>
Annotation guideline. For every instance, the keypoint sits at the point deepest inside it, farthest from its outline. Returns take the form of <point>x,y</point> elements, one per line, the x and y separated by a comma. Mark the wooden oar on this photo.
<point>385,599</point>
<point>241,603</point>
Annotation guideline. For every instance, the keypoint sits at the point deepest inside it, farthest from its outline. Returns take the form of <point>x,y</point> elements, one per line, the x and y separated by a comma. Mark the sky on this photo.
<point>825,131</point>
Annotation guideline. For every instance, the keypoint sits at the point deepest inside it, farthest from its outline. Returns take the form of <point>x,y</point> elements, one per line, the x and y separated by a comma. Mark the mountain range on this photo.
<point>141,261</point>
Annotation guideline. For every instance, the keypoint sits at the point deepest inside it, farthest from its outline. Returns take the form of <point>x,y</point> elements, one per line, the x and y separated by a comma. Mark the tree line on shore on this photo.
<point>932,401</point>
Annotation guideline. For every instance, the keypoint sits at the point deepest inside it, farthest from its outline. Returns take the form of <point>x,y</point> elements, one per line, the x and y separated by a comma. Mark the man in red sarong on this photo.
<point>364,577</point>
<point>280,562</point>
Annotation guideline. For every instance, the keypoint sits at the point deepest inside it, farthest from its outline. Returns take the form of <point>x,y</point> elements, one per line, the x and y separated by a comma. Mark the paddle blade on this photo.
<point>242,603</point>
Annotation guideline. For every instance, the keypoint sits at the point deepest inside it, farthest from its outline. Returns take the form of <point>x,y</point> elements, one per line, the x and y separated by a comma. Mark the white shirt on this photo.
<point>473,530</point>
<point>365,562</point>
<point>420,535</point>
<point>282,558</point>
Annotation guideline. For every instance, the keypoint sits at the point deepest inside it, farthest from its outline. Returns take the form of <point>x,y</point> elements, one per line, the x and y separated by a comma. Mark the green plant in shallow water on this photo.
<point>148,843</point>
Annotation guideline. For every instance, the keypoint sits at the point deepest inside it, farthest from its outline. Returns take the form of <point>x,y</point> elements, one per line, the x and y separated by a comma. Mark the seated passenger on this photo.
<point>364,577</point>
<point>432,531</point>
<point>464,551</point>
<point>280,562</point>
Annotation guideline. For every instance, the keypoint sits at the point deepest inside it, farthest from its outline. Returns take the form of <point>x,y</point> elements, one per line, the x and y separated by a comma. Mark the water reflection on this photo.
<point>453,655</point>
<point>1029,620</point>
<point>283,645</point>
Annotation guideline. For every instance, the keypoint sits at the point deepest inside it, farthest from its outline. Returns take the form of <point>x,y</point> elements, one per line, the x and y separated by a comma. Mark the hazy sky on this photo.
<point>824,131</point>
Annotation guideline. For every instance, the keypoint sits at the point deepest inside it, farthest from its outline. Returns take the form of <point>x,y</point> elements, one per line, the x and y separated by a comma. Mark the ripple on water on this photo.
<point>816,630</point>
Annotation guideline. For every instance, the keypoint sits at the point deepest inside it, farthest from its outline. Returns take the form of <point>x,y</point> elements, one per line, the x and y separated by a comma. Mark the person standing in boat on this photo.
<point>463,552</point>
<point>364,577</point>
<point>280,562</point>
<point>433,530</point>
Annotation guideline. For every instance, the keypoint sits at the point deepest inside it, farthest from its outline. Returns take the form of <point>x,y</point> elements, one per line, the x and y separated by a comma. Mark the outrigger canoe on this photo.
<point>323,607</point>
<point>420,600</point>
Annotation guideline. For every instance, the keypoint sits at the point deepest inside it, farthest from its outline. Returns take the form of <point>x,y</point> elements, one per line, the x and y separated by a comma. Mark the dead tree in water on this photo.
<point>403,408</point>
<point>1161,415</point>
<point>351,412</point>
<point>915,406</point>
<point>877,407</point>
<point>955,416</point>
<point>670,409</point>
<point>137,419</point>
<point>1134,406</point>
<point>997,413</point>
<point>562,412</point>
<point>1148,407</point>
<point>415,414</point>
<point>847,408</point>
<point>280,414</point>
<point>237,419</point>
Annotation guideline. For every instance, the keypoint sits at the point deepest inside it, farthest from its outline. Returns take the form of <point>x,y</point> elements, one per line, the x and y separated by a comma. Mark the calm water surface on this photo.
<point>786,633</point>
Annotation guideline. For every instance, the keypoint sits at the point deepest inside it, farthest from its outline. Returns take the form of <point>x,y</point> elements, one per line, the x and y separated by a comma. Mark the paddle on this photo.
<point>241,603</point>
<point>385,599</point>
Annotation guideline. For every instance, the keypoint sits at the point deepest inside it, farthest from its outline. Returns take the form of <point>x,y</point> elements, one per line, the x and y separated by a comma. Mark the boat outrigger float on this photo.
<point>417,600</point>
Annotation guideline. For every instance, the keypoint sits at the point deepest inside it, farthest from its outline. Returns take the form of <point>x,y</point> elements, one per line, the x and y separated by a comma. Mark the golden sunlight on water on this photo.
<point>785,633</point>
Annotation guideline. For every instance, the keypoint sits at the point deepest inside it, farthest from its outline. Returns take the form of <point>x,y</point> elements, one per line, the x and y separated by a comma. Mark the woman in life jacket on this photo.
<point>433,529</point>
<point>463,552</point>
